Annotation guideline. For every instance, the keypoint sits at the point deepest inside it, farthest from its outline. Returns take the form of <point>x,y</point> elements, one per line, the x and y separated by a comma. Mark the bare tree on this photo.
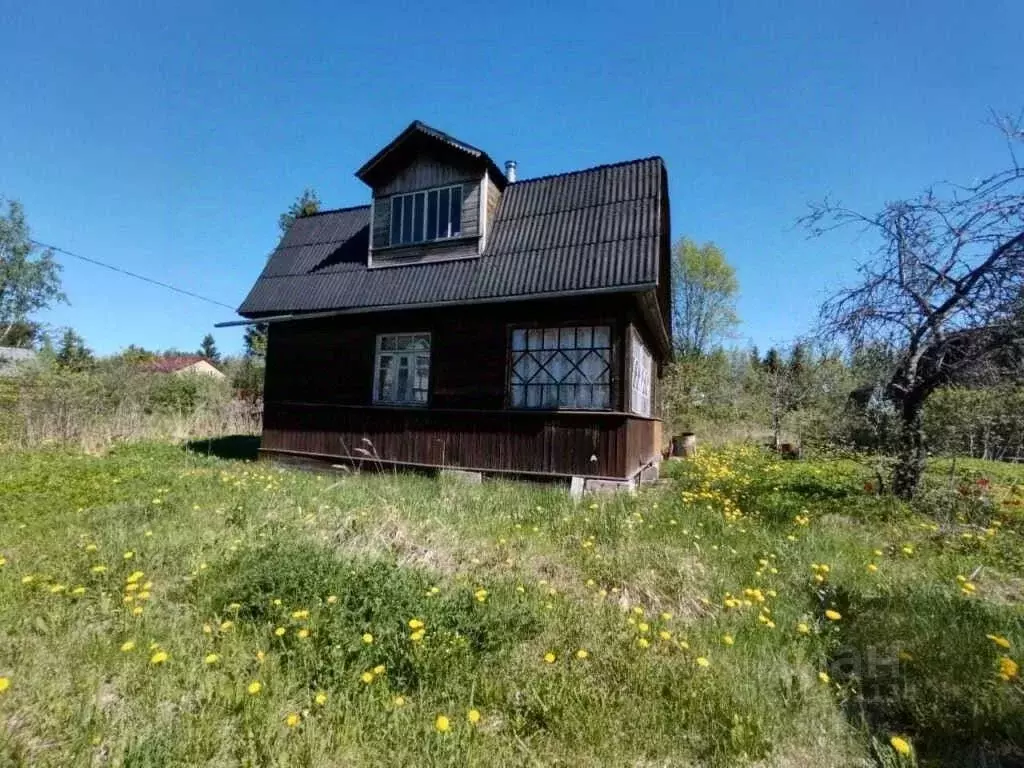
<point>943,289</point>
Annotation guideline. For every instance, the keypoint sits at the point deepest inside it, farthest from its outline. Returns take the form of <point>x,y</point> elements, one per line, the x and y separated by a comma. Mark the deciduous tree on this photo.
<point>704,297</point>
<point>29,276</point>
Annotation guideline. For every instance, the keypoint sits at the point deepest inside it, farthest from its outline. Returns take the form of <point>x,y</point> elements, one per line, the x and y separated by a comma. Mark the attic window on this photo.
<point>434,214</point>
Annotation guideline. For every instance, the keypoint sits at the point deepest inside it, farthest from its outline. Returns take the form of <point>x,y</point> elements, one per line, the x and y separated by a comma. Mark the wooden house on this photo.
<point>465,319</point>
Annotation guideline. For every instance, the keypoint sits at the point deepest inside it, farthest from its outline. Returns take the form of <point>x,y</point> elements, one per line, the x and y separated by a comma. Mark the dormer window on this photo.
<point>434,214</point>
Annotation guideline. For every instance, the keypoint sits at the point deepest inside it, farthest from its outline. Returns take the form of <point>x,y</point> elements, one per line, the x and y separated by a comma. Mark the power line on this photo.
<point>133,274</point>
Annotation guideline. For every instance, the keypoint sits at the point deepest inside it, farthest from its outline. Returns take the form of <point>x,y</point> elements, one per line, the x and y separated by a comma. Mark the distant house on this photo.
<point>13,358</point>
<point>182,365</point>
<point>463,318</point>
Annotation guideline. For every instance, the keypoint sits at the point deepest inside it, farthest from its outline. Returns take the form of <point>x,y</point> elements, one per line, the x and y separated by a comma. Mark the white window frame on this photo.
<point>641,376</point>
<point>407,398</point>
<point>561,348</point>
<point>397,200</point>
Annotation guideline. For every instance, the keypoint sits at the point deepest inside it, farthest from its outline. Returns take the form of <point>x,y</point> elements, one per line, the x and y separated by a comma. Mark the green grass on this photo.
<point>501,575</point>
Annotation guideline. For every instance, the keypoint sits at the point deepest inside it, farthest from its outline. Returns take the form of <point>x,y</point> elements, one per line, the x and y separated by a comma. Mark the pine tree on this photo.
<point>208,349</point>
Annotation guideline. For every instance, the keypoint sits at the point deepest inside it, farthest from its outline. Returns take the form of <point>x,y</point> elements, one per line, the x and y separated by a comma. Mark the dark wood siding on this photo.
<point>320,378</point>
<point>424,172</point>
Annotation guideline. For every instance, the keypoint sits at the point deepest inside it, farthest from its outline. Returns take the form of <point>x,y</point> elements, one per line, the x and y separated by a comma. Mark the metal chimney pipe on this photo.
<point>510,170</point>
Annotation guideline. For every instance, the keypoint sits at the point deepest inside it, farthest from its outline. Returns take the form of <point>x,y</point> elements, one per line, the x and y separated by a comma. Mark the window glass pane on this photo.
<point>518,395</point>
<point>456,215</point>
<point>602,336</point>
<point>420,203</point>
<point>443,213</point>
<point>396,220</point>
<point>518,339</point>
<point>601,397</point>
<point>420,342</point>
<point>550,338</point>
<point>432,215</point>
<point>567,338</point>
<point>407,219</point>
<point>533,397</point>
<point>387,342</point>
<point>584,338</point>
<point>403,388</point>
<point>535,337</point>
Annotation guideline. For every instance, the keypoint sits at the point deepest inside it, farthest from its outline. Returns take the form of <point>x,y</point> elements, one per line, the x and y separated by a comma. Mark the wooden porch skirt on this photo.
<point>553,443</point>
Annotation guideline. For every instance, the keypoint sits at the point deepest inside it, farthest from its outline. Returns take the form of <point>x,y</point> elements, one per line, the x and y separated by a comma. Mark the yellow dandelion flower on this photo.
<point>473,716</point>
<point>832,615</point>
<point>300,615</point>
<point>367,638</point>
<point>129,555</point>
<point>417,635</point>
<point>872,568</point>
<point>293,719</point>
<point>134,576</point>
<point>303,633</point>
<point>5,683</point>
<point>91,547</point>
<point>226,625</point>
<point>1008,668</point>
<point>803,629</point>
<point>57,589</point>
<point>211,658</point>
<point>78,590</point>
<point>260,656</point>
<point>901,745</point>
<point>480,595</point>
<point>582,653</point>
<point>99,568</point>
<point>550,658</point>
<point>398,701</point>
<point>137,611</point>
<point>415,624</point>
<point>320,699</point>
<point>27,579</point>
<point>823,676</point>
<point>999,640</point>
<point>665,634</point>
<point>728,639</point>
<point>666,616</point>
<point>441,724</point>
<point>367,677</point>
<point>159,657</point>
<point>703,661</point>
<point>907,549</point>
<point>638,610</point>
<point>643,642</point>
<point>332,599</point>
<point>380,669</point>
<point>127,645</point>
<point>254,688</point>
<point>280,631</point>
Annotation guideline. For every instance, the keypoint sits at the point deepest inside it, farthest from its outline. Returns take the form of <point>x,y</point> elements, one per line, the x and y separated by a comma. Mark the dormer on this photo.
<point>433,198</point>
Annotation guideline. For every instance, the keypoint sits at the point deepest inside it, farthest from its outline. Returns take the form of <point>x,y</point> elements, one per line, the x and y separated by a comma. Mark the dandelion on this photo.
<point>98,569</point>
<point>91,547</point>
<point>79,590</point>
<point>473,716</point>
<point>367,677</point>
<point>803,629</point>
<point>260,656</point>
<point>127,646</point>
<point>582,653</point>
<point>303,633</point>
<point>823,676</point>
<point>300,615</point>
<point>254,688</point>
<point>665,635</point>
<point>293,719</point>
<point>367,638</point>
<point>643,642</point>
<point>906,549</point>
<point>280,631</point>
<point>703,661</point>
<point>832,615</point>
<point>417,636</point>
<point>332,599</point>
<point>901,745</point>
<point>666,616</point>
<point>550,658</point>
<point>320,699</point>
<point>129,555</point>
<point>137,611</point>
<point>441,724</point>
<point>398,701</point>
<point>211,658</point>
<point>643,627</point>
<point>134,576</point>
<point>728,639</point>
<point>27,579</point>
<point>159,657</point>
<point>225,625</point>
<point>999,640</point>
<point>1008,668</point>
<point>480,595</point>
<point>5,683</point>
<point>872,568</point>
<point>415,624</point>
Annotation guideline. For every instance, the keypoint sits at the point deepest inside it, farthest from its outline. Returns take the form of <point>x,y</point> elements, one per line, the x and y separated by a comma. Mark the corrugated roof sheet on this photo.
<point>575,232</point>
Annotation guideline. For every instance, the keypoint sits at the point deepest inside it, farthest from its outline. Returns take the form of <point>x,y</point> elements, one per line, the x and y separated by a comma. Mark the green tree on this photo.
<point>72,354</point>
<point>704,297</point>
<point>305,204</point>
<point>208,349</point>
<point>29,276</point>
<point>255,341</point>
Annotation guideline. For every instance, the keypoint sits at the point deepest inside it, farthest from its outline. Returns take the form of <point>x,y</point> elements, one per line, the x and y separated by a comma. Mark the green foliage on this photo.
<point>305,204</point>
<point>255,341</point>
<point>208,349</point>
<point>72,354</point>
<point>704,289</point>
<point>29,278</point>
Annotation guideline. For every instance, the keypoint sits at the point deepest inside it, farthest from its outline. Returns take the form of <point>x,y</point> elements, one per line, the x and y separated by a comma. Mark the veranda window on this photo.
<point>434,214</point>
<point>561,368</point>
<point>641,366</point>
<point>402,369</point>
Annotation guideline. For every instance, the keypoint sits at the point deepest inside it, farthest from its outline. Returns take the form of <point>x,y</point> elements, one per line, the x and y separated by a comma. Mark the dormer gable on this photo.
<point>432,198</point>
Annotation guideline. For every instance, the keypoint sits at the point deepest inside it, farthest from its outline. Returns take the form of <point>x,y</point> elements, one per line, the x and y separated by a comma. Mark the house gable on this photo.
<point>431,195</point>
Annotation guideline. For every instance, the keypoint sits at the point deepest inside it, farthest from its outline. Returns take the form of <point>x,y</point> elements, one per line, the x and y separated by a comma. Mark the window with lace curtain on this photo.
<point>568,367</point>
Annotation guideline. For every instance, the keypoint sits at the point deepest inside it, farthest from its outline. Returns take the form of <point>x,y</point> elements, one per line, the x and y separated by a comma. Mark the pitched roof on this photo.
<point>416,135</point>
<point>174,363</point>
<point>594,230</point>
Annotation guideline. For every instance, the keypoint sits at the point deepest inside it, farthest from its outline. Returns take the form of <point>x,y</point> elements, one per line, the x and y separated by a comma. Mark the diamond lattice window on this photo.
<point>561,368</point>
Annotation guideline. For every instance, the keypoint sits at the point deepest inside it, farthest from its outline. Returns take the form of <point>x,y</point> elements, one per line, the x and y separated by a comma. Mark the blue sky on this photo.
<point>167,141</point>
